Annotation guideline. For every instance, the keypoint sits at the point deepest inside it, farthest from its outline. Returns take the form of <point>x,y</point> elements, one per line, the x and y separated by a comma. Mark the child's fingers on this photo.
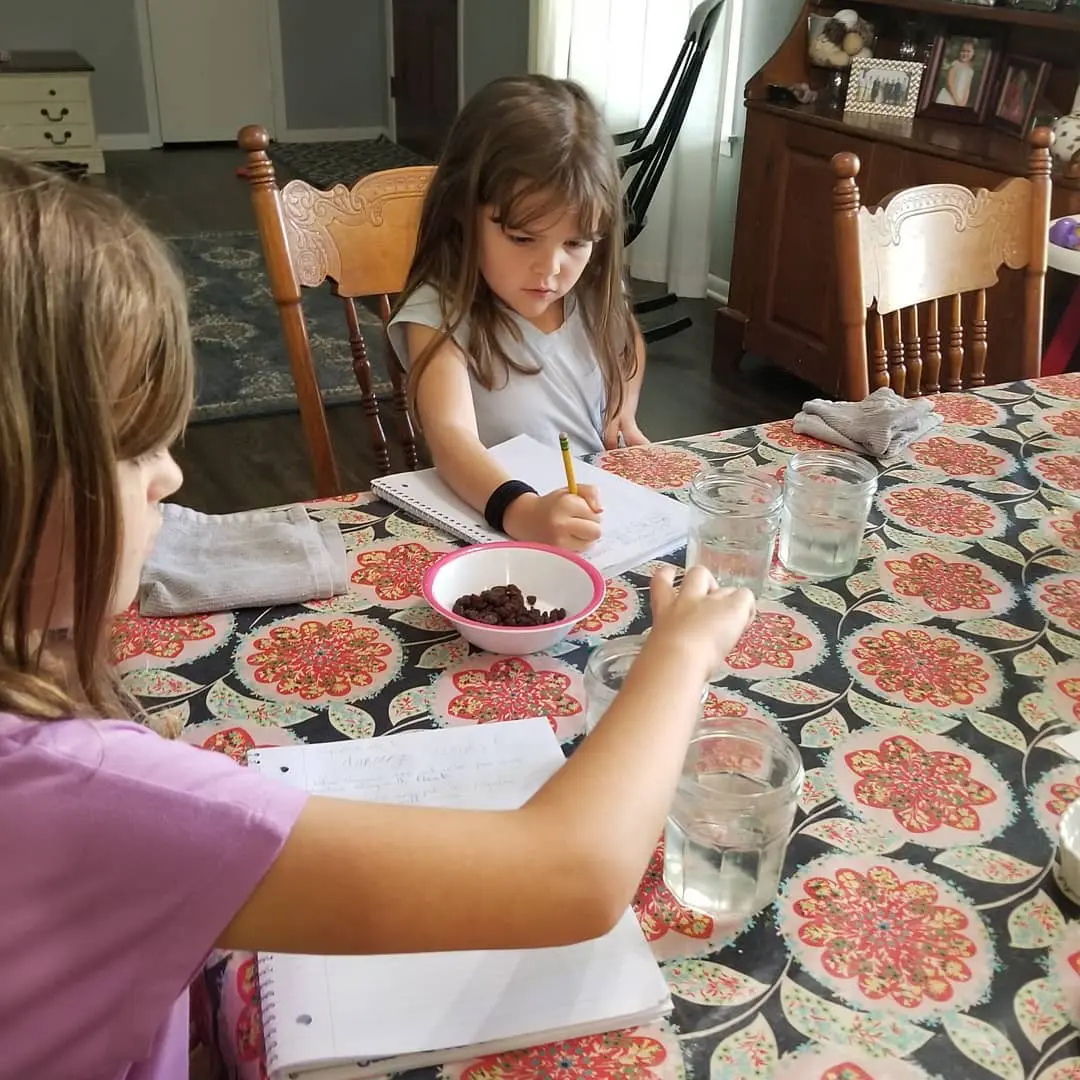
<point>697,581</point>
<point>584,529</point>
<point>591,497</point>
<point>662,591</point>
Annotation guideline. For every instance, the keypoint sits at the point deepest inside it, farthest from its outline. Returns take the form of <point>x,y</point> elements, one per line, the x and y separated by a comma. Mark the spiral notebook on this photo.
<point>340,1018</point>
<point>639,524</point>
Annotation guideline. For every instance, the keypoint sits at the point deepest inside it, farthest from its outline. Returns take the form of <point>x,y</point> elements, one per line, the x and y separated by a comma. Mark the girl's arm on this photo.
<point>952,83</point>
<point>364,878</point>
<point>624,422</point>
<point>444,402</point>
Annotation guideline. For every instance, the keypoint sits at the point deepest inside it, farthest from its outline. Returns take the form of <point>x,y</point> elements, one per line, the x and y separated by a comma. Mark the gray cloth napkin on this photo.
<point>205,562</point>
<point>881,425</point>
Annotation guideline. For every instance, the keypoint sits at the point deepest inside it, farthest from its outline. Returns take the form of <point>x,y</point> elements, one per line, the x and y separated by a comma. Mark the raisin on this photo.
<point>505,605</point>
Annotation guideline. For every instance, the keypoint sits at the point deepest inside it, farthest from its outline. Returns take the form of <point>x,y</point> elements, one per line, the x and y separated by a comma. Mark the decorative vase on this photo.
<point>1067,133</point>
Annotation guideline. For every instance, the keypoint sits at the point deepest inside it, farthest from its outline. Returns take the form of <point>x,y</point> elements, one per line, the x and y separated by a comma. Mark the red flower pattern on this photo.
<point>1065,385</point>
<point>394,574</point>
<point>1068,531</point>
<point>510,689</point>
<point>663,468</point>
<point>957,458</point>
<point>249,1030</point>
<point>614,1055</point>
<point>1058,470</point>
<point>235,742</point>
<point>891,936</point>
<point>943,586</point>
<point>1062,599</point>
<point>132,635</point>
<point>1065,423</point>
<point>966,409</point>
<point>1063,793</point>
<point>659,913</point>
<point>613,607</point>
<point>770,639</point>
<point>942,511</point>
<point>782,434</point>
<point>922,667</point>
<point>925,789</point>
<point>314,658</point>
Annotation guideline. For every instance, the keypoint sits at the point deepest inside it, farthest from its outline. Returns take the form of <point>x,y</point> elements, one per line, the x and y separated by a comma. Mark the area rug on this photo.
<point>243,366</point>
<point>324,164</point>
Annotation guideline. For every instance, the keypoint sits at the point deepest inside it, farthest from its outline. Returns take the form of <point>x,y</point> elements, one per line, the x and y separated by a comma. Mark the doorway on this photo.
<point>212,67</point>
<point>425,86</point>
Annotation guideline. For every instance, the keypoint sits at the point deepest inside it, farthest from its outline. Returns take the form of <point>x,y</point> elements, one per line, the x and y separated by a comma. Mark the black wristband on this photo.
<point>500,500</point>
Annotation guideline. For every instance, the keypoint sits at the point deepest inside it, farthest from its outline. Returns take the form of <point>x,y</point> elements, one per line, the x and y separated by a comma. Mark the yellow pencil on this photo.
<point>568,463</point>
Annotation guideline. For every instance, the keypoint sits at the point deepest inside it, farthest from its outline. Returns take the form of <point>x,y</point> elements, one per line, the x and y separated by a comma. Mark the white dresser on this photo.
<point>46,110</point>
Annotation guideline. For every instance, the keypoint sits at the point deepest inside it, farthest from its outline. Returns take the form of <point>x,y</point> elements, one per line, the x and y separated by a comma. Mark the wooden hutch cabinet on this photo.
<point>782,303</point>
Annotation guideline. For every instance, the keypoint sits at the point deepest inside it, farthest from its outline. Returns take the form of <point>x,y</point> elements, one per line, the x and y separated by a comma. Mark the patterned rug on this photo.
<point>327,163</point>
<point>243,367</point>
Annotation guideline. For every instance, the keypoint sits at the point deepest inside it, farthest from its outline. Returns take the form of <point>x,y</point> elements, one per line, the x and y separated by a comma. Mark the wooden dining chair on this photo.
<point>362,240</point>
<point>905,267</point>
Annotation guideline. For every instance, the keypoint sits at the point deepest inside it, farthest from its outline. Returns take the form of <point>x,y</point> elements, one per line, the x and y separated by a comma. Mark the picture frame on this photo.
<point>960,77</point>
<point>1016,97</point>
<point>883,87</point>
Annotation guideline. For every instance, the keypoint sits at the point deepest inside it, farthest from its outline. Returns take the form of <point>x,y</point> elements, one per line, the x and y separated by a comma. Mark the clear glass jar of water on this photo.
<point>729,824</point>
<point>827,497</point>
<point>606,671</point>
<point>733,527</point>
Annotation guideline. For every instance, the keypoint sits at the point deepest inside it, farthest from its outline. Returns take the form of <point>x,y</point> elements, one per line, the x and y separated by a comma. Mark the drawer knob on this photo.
<point>56,119</point>
<point>52,93</point>
<point>55,141</point>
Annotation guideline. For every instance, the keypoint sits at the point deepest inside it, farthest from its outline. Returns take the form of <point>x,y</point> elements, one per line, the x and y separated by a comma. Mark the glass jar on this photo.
<point>606,671</point>
<point>827,497</point>
<point>733,527</point>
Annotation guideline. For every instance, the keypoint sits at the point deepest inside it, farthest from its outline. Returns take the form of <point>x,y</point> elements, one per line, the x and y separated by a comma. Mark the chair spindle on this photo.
<point>978,341</point>
<point>912,351</point>
<point>879,372</point>
<point>955,369</point>
<point>932,364</point>
<point>894,348</point>
<point>362,369</point>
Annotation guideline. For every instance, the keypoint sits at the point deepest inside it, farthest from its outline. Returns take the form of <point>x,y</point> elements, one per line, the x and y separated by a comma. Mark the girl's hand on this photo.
<point>558,518</point>
<point>624,424</point>
<point>699,617</point>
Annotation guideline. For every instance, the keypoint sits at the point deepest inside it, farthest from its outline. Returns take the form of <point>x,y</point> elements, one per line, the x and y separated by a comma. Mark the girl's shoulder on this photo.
<point>423,305</point>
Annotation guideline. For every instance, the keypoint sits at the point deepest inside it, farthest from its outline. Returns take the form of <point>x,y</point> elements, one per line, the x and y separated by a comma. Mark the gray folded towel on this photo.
<point>205,562</point>
<point>881,425</point>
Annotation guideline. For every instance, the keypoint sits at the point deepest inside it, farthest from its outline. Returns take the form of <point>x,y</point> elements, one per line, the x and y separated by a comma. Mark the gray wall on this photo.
<point>496,40</point>
<point>104,31</point>
<point>334,56</point>
<point>765,25</point>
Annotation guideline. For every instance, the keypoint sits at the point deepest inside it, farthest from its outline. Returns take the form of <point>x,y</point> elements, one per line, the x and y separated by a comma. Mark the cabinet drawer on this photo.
<point>44,88</point>
<point>46,136</point>
<point>44,114</point>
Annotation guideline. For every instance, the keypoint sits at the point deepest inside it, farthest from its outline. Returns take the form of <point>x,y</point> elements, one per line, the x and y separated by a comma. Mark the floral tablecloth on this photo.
<point>921,930</point>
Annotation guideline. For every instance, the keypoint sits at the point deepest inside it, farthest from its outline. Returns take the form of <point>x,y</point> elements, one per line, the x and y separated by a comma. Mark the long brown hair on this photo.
<point>526,146</point>
<point>95,368</point>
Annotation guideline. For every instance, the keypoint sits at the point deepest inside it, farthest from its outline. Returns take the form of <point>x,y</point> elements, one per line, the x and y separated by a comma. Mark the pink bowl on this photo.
<point>555,577</point>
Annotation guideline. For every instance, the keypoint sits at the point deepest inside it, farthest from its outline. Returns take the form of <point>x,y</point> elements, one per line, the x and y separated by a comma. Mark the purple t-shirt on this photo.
<point>122,858</point>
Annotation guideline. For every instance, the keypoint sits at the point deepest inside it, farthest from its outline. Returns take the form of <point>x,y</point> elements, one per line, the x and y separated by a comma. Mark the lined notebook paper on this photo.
<point>639,524</point>
<point>343,1017</point>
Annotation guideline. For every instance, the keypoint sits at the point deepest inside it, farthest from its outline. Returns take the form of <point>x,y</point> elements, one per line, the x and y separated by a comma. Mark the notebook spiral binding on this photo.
<point>265,968</point>
<point>268,1006</point>
<point>393,493</point>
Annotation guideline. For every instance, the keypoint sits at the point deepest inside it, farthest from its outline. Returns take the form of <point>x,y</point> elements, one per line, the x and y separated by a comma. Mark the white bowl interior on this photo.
<point>554,580</point>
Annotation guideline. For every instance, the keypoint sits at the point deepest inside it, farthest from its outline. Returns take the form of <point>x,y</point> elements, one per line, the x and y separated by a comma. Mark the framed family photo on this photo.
<point>883,87</point>
<point>959,77</point>
<point>1022,81</point>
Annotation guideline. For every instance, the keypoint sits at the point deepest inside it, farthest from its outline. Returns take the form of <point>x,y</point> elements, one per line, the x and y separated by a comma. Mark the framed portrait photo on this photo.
<point>959,77</point>
<point>883,87</point>
<point>1021,82</point>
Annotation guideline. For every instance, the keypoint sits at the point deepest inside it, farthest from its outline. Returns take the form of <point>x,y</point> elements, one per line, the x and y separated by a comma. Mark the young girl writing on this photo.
<point>126,857</point>
<point>516,318</point>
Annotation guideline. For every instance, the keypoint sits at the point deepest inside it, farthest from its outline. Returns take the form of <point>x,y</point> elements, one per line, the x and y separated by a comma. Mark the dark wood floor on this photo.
<point>239,464</point>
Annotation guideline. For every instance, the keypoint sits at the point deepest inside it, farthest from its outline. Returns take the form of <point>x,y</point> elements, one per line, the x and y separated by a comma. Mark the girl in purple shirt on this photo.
<point>124,857</point>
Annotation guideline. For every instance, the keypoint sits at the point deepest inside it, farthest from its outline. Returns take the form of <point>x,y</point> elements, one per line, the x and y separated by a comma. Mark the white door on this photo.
<point>211,67</point>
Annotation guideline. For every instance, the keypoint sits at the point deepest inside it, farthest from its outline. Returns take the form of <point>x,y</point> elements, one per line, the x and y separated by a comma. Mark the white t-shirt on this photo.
<point>566,393</point>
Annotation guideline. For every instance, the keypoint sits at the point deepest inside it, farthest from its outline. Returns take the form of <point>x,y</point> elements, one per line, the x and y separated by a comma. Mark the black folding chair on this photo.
<point>651,145</point>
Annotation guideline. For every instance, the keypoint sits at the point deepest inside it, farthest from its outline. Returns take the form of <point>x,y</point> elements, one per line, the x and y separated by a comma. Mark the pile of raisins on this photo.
<point>505,605</point>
